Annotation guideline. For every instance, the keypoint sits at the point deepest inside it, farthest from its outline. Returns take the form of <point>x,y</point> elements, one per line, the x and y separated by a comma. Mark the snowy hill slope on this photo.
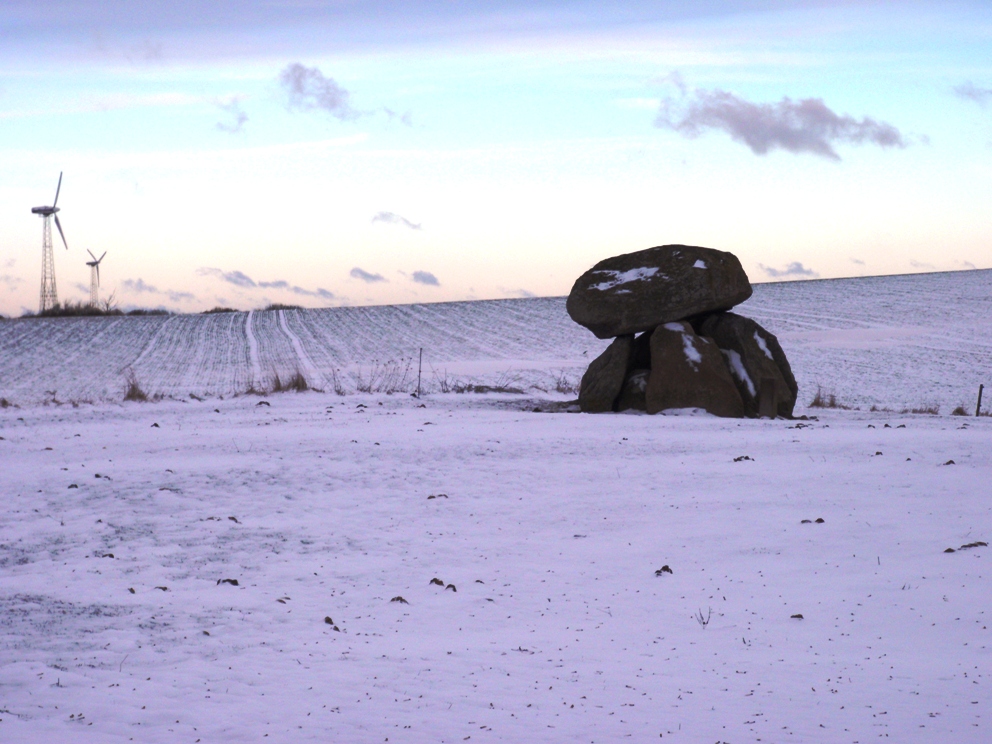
<point>899,341</point>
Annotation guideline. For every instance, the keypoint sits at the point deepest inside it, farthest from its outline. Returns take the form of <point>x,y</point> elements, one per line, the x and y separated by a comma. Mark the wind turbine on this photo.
<point>49,295</point>
<point>94,277</point>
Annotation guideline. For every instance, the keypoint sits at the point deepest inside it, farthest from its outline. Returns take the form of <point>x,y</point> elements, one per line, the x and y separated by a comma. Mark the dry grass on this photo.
<point>133,390</point>
<point>929,409</point>
<point>959,411</point>
<point>827,400</point>
<point>296,383</point>
<point>385,377</point>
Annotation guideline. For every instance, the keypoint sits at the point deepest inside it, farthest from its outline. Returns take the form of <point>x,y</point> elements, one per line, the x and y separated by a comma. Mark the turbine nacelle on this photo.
<point>50,211</point>
<point>44,211</point>
<point>95,264</point>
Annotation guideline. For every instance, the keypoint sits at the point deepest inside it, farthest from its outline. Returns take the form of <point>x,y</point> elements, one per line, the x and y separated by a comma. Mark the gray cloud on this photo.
<point>139,286</point>
<point>425,277</point>
<point>240,279</point>
<point>238,116</point>
<point>11,281</point>
<point>801,126</point>
<point>968,265</point>
<point>236,278</point>
<point>365,276</point>
<point>971,92</point>
<point>308,89</point>
<point>922,265</point>
<point>9,263</point>
<point>793,269</point>
<point>858,261</point>
<point>395,219</point>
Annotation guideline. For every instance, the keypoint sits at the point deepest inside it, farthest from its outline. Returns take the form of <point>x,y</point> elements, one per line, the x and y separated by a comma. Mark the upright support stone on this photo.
<point>603,380</point>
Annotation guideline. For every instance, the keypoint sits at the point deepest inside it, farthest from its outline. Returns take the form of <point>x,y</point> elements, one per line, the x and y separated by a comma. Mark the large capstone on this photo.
<point>688,371</point>
<point>639,291</point>
<point>756,361</point>
<point>603,380</point>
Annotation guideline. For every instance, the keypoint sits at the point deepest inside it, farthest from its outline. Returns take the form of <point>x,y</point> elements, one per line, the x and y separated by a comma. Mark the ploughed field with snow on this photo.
<point>224,567</point>
<point>227,570</point>
<point>899,342</point>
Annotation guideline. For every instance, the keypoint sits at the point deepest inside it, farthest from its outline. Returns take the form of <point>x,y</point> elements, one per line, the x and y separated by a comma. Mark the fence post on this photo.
<point>978,408</point>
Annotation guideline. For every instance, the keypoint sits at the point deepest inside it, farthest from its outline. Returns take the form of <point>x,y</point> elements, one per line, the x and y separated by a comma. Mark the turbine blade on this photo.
<point>57,189</point>
<point>59,226</point>
<point>91,254</point>
<point>101,257</point>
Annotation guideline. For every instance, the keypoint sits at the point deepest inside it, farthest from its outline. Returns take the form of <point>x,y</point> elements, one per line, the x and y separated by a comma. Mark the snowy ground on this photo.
<point>896,341</point>
<point>120,520</point>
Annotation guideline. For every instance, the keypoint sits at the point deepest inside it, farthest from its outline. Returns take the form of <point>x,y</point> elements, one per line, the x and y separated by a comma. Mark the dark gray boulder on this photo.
<point>688,371</point>
<point>633,396</point>
<point>639,291</point>
<point>603,380</point>
<point>756,361</point>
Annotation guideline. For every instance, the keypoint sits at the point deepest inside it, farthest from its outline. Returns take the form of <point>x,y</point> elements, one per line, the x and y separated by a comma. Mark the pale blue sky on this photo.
<point>247,153</point>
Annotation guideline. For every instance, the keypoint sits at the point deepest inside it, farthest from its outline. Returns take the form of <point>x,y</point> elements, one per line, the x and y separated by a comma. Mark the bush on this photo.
<point>73,309</point>
<point>280,306</point>
<point>959,411</point>
<point>219,309</point>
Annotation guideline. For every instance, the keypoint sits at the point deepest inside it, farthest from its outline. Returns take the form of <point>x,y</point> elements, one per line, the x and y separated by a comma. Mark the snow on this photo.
<point>320,506</point>
<point>897,342</point>
<point>760,340</point>
<point>736,365</point>
<point>700,264</point>
<point>624,277</point>
<point>688,346</point>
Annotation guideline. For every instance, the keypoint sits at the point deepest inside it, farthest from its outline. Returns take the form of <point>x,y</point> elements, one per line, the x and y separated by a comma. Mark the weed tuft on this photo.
<point>959,411</point>
<point>133,390</point>
<point>827,400</point>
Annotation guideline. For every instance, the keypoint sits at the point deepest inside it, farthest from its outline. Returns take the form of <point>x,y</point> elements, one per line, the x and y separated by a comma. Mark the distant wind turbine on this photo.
<point>49,295</point>
<point>94,277</point>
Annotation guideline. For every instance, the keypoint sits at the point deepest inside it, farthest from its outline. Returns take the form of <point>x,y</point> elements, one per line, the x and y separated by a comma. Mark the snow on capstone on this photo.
<point>700,264</point>
<point>762,345</point>
<point>737,367</point>
<point>624,277</point>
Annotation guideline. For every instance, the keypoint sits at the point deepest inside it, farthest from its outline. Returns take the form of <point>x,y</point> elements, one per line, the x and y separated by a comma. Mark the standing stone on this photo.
<point>639,291</point>
<point>688,371</point>
<point>603,380</point>
<point>757,363</point>
<point>633,396</point>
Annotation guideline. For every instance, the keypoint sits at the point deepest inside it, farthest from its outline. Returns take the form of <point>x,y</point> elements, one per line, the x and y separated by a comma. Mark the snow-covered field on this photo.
<point>898,342</point>
<point>224,569</point>
<point>122,523</point>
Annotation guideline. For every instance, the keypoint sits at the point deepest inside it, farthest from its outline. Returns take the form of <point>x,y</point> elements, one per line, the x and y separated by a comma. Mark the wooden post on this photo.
<point>978,408</point>
<point>420,367</point>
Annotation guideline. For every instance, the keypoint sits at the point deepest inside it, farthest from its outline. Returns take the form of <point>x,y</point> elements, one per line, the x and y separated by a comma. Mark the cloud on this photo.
<point>395,219</point>
<point>968,265</point>
<point>357,273</point>
<point>9,263</point>
<point>969,91</point>
<point>12,282</point>
<point>239,117</point>
<point>922,265</point>
<point>139,286</point>
<point>519,293</point>
<point>858,261</point>
<point>793,269</point>
<point>425,277</point>
<point>308,90</point>
<point>240,279</point>
<point>807,125</point>
<point>406,118</point>
<point>231,277</point>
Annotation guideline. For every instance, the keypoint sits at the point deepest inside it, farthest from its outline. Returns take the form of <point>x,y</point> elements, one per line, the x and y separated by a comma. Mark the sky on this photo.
<point>335,152</point>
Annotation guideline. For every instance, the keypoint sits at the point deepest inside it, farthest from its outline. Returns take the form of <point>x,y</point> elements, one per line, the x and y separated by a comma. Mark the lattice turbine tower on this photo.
<point>49,294</point>
<point>94,277</point>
